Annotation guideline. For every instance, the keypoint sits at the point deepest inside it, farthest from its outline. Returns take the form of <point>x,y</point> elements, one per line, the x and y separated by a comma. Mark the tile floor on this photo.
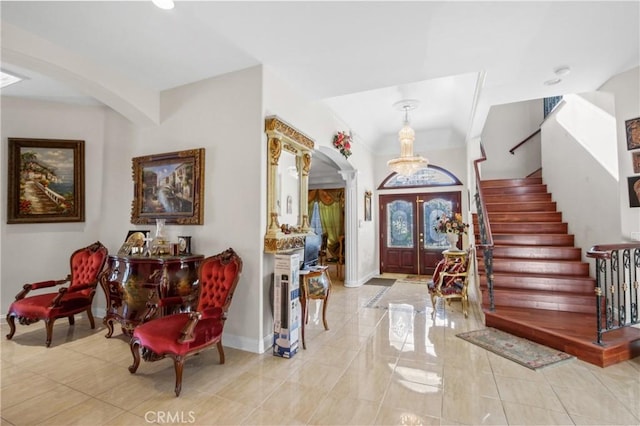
<point>384,361</point>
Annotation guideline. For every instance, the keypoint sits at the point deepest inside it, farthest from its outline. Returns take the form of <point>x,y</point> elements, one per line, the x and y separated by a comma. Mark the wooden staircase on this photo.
<point>542,288</point>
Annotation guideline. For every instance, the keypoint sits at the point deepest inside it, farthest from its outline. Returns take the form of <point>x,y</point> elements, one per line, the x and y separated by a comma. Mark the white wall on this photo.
<point>36,252</point>
<point>585,192</point>
<point>318,122</point>
<point>626,89</point>
<point>506,126</point>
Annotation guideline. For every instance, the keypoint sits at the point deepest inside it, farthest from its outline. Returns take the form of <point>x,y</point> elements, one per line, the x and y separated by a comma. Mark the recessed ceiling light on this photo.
<point>562,71</point>
<point>164,4</point>
<point>7,79</point>
<point>552,81</point>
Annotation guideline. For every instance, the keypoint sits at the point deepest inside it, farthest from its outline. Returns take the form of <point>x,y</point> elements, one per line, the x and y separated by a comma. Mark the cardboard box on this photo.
<point>286,305</point>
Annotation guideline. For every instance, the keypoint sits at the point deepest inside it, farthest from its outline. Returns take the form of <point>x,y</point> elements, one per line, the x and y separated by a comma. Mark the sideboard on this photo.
<point>129,282</point>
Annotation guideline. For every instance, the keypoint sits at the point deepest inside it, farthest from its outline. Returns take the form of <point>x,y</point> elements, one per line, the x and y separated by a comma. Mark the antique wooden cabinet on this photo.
<point>129,282</point>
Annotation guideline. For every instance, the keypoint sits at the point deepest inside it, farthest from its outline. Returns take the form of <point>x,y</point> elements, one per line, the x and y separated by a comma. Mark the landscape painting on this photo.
<point>46,181</point>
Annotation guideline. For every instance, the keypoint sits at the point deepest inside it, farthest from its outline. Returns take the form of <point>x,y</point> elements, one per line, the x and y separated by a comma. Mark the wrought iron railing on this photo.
<point>486,238</point>
<point>617,274</point>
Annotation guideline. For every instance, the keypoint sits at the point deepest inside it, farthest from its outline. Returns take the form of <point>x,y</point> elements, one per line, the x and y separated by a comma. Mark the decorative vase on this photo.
<point>452,237</point>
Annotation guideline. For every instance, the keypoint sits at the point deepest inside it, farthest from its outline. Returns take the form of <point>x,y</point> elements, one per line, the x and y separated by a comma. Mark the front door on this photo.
<point>409,243</point>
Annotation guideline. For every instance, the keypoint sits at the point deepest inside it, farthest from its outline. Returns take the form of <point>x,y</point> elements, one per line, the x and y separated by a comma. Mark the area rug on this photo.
<point>525,352</point>
<point>386,282</point>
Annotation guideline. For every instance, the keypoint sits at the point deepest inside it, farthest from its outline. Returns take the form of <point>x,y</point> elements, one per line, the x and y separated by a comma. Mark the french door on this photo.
<point>408,241</point>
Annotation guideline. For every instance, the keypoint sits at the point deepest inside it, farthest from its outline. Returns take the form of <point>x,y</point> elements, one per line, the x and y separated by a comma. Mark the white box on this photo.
<point>286,305</point>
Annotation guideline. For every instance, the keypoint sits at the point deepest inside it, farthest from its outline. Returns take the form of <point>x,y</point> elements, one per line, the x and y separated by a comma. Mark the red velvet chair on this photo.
<point>184,334</point>
<point>86,265</point>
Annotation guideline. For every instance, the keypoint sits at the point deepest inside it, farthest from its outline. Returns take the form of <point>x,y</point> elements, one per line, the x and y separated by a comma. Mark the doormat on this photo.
<point>525,352</point>
<point>386,282</point>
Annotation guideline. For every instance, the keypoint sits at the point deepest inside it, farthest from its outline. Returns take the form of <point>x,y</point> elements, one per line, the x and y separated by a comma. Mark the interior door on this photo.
<point>409,243</point>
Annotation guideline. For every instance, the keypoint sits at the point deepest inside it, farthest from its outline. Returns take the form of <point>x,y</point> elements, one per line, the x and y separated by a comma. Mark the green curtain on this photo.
<point>330,205</point>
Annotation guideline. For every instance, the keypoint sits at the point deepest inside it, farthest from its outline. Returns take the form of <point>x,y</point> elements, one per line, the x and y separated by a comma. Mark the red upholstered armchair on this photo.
<point>184,334</point>
<point>86,265</point>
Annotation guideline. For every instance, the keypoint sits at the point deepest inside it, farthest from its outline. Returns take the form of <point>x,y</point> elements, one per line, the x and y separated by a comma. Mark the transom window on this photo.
<point>429,176</point>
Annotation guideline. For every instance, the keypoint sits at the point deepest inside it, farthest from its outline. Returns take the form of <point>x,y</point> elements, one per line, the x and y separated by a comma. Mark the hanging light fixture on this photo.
<point>407,164</point>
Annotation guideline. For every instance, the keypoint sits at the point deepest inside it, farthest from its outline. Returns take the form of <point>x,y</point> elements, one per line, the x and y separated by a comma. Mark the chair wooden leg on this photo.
<point>178,365</point>
<point>72,320</point>
<point>135,351</point>
<point>324,312</point>
<point>220,351</point>
<point>465,306</point>
<point>91,320</point>
<point>48,323</point>
<point>12,326</point>
<point>108,322</point>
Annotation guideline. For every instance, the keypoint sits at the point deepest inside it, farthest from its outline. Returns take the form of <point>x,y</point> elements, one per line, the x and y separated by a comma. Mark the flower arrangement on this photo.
<point>451,224</point>
<point>342,141</point>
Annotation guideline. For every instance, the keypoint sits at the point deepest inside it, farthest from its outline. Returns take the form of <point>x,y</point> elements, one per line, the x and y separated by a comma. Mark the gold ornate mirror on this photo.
<point>289,157</point>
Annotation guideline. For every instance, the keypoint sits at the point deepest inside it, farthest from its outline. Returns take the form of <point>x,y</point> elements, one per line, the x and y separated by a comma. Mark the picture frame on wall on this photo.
<point>169,186</point>
<point>367,206</point>
<point>634,191</point>
<point>635,157</point>
<point>45,181</point>
<point>632,128</point>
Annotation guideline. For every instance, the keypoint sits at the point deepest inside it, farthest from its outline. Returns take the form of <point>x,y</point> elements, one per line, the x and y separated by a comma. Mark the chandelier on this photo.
<point>407,164</point>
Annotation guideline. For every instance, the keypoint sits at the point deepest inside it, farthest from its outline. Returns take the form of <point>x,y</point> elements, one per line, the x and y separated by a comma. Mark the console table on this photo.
<point>129,282</point>
<point>314,285</point>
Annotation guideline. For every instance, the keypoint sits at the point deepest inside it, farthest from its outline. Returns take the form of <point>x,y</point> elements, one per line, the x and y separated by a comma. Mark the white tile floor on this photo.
<point>389,364</point>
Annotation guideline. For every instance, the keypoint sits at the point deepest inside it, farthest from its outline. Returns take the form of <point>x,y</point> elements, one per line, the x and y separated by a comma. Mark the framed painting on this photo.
<point>636,161</point>
<point>634,191</point>
<point>632,128</point>
<point>169,186</point>
<point>367,205</point>
<point>45,181</point>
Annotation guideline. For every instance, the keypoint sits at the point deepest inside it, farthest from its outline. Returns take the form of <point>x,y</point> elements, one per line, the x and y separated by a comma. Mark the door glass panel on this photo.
<point>432,211</point>
<point>400,224</point>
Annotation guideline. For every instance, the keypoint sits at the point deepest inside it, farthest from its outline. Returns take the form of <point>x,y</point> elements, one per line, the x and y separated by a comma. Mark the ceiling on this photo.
<point>456,58</point>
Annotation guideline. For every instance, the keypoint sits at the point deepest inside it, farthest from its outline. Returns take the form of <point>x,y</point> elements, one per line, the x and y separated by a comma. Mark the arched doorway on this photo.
<point>327,163</point>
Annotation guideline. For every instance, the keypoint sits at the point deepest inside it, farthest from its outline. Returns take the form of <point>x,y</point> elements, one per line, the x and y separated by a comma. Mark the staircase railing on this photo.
<point>486,238</point>
<point>617,274</point>
<point>528,138</point>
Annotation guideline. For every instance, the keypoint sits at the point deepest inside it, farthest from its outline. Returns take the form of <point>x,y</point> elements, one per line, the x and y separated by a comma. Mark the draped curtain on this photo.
<point>331,208</point>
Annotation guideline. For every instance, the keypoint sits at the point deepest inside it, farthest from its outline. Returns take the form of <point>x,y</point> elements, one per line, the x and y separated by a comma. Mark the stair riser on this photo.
<point>528,228</point>
<point>584,286</point>
<point>516,266</point>
<point>514,190</point>
<point>525,217</point>
<point>531,252</point>
<point>533,239</point>
<point>501,183</point>
<point>517,198</point>
<point>542,206</point>
<point>579,304</point>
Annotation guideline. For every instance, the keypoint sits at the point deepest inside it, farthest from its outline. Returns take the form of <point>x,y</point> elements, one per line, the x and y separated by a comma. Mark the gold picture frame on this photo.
<point>169,186</point>
<point>45,181</point>
<point>632,128</point>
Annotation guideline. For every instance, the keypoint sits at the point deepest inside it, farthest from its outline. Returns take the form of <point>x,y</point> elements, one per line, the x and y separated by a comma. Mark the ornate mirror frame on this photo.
<point>281,135</point>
